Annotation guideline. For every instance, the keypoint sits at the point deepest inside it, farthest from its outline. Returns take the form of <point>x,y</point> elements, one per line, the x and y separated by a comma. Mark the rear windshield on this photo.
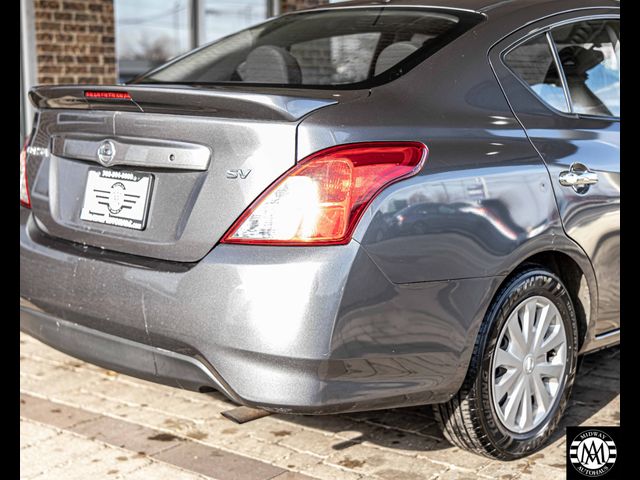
<point>339,48</point>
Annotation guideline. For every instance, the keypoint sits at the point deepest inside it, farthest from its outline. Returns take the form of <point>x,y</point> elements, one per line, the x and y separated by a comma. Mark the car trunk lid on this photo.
<point>205,154</point>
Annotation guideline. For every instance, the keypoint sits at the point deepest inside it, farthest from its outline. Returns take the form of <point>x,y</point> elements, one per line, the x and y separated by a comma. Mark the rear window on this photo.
<point>335,48</point>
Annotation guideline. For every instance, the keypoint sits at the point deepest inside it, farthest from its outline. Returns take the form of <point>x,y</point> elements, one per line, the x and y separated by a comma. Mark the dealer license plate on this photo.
<point>117,198</point>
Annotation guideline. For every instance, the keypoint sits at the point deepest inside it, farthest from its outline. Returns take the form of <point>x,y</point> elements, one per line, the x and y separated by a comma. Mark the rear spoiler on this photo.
<point>262,104</point>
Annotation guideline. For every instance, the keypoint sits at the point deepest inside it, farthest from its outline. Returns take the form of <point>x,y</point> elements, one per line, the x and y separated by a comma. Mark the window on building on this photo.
<point>224,17</point>
<point>150,32</point>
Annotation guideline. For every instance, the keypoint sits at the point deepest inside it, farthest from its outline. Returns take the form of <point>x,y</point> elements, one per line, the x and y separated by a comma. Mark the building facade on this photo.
<point>112,41</point>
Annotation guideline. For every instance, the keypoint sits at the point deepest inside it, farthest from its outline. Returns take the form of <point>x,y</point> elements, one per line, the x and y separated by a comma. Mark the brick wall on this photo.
<point>290,5</point>
<point>75,41</point>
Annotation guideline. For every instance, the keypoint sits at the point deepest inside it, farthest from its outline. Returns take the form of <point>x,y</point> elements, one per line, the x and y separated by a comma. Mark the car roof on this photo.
<point>469,5</point>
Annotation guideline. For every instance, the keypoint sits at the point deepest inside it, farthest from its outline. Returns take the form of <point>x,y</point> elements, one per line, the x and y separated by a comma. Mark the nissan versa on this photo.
<point>361,206</point>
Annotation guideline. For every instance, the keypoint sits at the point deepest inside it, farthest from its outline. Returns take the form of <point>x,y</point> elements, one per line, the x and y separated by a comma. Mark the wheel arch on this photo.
<point>574,269</point>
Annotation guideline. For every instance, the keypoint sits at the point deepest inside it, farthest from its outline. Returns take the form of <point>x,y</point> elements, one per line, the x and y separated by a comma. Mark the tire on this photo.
<point>471,418</point>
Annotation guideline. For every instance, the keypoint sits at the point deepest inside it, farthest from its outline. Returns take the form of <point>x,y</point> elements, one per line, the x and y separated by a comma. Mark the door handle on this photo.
<point>573,179</point>
<point>579,177</point>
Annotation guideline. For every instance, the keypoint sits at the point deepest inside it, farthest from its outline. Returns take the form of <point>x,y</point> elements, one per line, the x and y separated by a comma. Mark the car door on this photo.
<point>562,79</point>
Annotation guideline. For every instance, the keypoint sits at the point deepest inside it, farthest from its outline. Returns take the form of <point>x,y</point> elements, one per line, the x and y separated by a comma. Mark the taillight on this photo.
<point>321,199</point>
<point>104,94</point>
<point>25,199</point>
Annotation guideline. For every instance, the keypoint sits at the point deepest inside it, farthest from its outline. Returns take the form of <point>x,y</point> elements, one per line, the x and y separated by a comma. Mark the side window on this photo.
<point>533,62</point>
<point>589,53</point>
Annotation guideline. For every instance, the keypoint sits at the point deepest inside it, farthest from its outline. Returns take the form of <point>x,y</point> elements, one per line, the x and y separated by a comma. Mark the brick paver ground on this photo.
<point>81,421</point>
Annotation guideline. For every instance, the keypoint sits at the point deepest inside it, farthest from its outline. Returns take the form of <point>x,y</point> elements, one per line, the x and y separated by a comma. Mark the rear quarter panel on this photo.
<point>446,239</point>
<point>483,198</point>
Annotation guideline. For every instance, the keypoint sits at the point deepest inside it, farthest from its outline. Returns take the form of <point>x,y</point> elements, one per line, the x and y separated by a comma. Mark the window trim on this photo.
<point>546,30</point>
<point>558,64</point>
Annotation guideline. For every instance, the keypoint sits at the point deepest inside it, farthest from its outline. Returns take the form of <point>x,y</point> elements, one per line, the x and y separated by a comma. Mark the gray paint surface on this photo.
<point>389,319</point>
<point>563,139</point>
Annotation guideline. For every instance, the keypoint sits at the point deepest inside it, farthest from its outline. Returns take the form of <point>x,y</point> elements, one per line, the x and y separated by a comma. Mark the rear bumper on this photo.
<point>300,330</point>
<point>117,353</point>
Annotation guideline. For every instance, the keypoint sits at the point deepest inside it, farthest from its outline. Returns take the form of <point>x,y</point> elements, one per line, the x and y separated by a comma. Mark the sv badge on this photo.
<point>238,173</point>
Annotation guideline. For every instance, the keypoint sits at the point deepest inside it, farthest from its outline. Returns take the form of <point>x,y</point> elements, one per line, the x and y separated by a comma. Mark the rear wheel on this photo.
<point>521,370</point>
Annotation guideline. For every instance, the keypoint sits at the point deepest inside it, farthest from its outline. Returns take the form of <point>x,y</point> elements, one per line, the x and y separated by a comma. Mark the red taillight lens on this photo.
<point>25,199</point>
<point>113,95</point>
<point>321,199</point>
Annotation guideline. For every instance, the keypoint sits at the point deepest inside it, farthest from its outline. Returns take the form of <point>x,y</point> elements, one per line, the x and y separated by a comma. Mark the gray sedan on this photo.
<point>362,206</point>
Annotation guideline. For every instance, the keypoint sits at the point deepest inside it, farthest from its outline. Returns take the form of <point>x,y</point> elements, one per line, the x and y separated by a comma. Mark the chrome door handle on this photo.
<point>573,179</point>
<point>579,177</point>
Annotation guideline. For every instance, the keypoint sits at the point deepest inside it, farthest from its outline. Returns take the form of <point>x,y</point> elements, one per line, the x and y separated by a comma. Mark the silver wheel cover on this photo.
<point>528,365</point>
